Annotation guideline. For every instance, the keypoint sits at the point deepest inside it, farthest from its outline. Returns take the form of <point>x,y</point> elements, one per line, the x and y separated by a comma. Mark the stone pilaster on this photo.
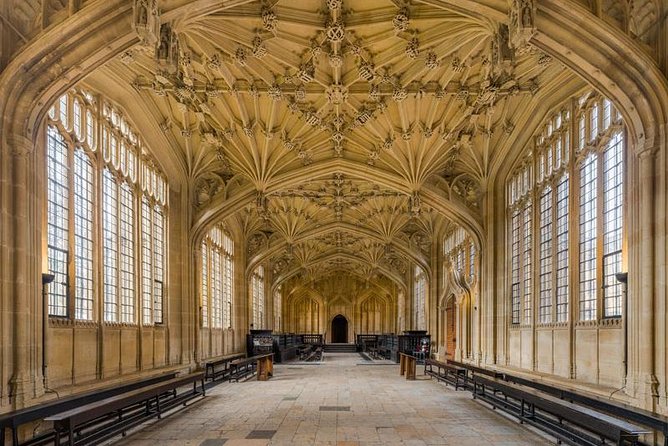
<point>646,381</point>
<point>22,386</point>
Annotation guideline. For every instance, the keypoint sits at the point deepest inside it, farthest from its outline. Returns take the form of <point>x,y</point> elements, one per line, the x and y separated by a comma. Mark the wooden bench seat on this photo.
<point>569,422</point>
<point>475,370</point>
<point>643,417</point>
<point>75,424</point>
<point>13,420</point>
<point>447,373</point>
<point>220,367</point>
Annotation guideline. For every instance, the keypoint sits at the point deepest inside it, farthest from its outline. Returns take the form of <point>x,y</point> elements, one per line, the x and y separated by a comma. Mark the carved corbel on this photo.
<point>146,21</point>
<point>522,25</point>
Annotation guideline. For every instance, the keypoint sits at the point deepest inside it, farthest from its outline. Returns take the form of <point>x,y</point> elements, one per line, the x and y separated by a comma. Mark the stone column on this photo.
<point>24,283</point>
<point>646,376</point>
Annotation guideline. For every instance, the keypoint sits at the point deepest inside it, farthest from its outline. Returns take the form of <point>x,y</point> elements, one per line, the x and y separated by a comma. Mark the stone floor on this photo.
<point>342,401</point>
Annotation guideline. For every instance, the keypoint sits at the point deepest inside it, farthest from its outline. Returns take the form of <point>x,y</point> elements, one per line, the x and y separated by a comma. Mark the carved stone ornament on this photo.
<point>431,61</point>
<point>522,23</point>
<point>334,4</point>
<point>269,19</point>
<point>146,21</point>
<point>167,50</point>
<point>259,50</point>
<point>336,32</point>
<point>413,48</point>
<point>336,94</point>
<point>275,92</point>
<point>400,21</point>
<point>366,71</point>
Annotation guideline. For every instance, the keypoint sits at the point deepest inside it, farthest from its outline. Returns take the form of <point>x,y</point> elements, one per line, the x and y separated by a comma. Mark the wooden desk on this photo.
<point>265,366</point>
<point>407,365</point>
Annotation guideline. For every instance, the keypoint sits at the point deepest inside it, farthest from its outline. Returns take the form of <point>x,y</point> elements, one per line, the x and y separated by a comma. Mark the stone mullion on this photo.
<point>573,239</point>
<point>554,249</point>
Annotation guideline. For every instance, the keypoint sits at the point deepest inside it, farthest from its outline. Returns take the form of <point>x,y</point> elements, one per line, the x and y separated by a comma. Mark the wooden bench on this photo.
<point>642,417</point>
<point>447,373</point>
<point>314,355</point>
<point>407,365</point>
<point>13,420</point>
<point>113,415</point>
<point>220,367</point>
<point>473,370</point>
<point>568,422</point>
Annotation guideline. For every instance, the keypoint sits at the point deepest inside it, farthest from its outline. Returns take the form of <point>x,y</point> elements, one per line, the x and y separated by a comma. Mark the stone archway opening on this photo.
<point>339,330</point>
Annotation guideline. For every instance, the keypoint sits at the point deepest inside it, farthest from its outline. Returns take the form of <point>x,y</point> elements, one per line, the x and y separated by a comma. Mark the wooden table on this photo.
<point>407,365</point>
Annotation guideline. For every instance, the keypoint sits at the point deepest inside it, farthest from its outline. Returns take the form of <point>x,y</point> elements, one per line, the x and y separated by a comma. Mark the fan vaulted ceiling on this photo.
<point>258,92</point>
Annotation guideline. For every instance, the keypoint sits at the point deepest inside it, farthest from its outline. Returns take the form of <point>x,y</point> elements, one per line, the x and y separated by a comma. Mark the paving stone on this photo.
<point>342,402</point>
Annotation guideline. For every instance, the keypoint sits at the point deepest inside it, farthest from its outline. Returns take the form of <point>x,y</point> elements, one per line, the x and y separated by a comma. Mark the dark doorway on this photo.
<point>339,330</point>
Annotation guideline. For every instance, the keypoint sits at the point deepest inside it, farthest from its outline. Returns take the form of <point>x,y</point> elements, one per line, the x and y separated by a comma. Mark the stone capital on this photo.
<point>19,146</point>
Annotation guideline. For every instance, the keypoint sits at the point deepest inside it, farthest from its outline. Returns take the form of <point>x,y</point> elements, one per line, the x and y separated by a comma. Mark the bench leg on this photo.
<point>15,436</point>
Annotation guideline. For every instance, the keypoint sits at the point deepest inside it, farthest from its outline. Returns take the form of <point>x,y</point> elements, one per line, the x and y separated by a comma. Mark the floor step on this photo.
<point>340,348</point>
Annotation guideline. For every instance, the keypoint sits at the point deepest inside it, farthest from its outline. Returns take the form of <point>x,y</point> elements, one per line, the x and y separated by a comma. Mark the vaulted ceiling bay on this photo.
<point>342,138</point>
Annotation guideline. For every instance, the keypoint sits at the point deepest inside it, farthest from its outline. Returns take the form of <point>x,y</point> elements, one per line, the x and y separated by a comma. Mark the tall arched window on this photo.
<point>419,298</point>
<point>278,309</point>
<point>93,199</point>
<point>257,293</point>
<point>590,173</point>
<point>217,279</point>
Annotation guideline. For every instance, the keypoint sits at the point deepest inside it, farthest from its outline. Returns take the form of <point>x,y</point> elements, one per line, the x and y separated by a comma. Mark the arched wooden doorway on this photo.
<point>339,329</point>
<point>450,329</point>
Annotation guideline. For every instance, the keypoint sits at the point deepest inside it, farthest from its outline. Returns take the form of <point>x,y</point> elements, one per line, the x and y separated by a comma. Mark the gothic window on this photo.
<point>257,293</point>
<point>545,250</point>
<point>515,268</point>
<point>595,163</point>
<point>217,279</point>
<point>58,220</point>
<point>204,292</point>
<point>419,298</point>
<point>80,216</point>
<point>526,262</point>
<point>84,190</point>
<point>613,176</point>
<point>588,223</point>
<point>562,249</point>
<point>278,309</point>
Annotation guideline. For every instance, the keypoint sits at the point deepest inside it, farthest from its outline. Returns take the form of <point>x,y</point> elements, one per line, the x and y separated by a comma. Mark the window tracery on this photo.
<point>257,293</point>
<point>595,162</point>
<point>217,279</point>
<point>75,167</point>
<point>419,298</point>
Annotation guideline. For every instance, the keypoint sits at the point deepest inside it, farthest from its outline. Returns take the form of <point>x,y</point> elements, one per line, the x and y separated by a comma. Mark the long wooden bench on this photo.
<point>114,418</point>
<point>13,420</point>
<point>220,367</point>
<point>473,370</point>
<point>568,422</point>
<point>643,417</point>
<point>448,373</point>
